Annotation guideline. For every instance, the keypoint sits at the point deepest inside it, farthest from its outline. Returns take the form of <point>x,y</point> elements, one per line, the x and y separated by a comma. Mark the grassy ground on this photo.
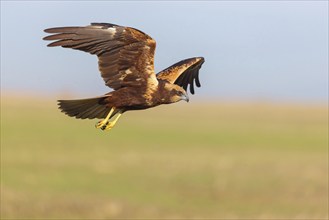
<point>178,161</point>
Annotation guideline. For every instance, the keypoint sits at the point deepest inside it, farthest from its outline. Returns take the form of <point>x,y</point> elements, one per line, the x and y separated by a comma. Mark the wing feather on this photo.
<point>125,55</point>
<point>184,73</point>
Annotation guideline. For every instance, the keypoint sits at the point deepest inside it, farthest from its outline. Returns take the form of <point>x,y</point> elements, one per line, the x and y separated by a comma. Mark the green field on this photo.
<point>195,160</point>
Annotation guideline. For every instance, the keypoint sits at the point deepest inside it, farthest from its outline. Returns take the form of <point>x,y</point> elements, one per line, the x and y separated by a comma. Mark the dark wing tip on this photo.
<point>104,25</point>
<point>59,33</point>
<point>53,30</point>
<point>48,30</point>
<point>49,38</point>
<point>191,75</point>
<point>55,44</point>
<point>66,29</point>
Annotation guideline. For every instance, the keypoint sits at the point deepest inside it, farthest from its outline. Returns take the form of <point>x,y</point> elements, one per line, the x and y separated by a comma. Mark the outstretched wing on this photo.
<point>183,73</point>
<point>126,55</point>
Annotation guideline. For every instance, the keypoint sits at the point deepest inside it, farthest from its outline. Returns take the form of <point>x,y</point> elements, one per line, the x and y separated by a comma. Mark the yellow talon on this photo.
<point>103,123</point>
<point>106,124</point>
<point>111,124</point>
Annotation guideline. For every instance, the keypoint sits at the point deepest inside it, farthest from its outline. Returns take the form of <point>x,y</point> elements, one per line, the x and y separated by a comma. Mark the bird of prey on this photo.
<point>126,63</point>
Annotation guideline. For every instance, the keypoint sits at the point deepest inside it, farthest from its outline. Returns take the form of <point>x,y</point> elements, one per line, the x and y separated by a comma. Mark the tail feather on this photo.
<point>84,108</point>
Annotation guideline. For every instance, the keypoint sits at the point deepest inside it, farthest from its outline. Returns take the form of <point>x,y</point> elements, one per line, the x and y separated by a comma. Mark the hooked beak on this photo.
<point>185,97</point>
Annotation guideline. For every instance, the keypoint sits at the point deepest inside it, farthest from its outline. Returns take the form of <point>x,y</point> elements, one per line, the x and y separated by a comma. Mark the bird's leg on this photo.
<point>111,124</point>
<point>102,124</point>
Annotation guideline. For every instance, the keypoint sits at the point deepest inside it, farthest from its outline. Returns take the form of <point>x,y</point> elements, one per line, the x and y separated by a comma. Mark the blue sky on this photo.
<point>254,50</point>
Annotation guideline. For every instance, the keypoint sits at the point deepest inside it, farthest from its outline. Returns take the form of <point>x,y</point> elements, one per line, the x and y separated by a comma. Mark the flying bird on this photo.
<point>126,63</point>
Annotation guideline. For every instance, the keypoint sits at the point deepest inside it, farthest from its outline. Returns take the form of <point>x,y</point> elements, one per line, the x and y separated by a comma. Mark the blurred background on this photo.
<point>252,142</point>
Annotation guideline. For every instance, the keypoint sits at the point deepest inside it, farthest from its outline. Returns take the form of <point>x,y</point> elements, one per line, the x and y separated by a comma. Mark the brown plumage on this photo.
<point>126,62</point>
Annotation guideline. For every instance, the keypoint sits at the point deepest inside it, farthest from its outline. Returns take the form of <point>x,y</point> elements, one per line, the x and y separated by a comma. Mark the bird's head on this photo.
<point>177,94</point>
